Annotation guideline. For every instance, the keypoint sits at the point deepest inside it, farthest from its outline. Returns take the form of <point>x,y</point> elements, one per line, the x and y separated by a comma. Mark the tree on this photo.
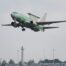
<point>57,61</point>
<point>4,63</point>
<point>20,64</point>
<point>11,61</point>
<point>31,62</point>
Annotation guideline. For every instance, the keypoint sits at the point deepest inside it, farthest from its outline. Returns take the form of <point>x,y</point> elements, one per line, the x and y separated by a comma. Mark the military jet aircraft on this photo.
<point>30,21</point>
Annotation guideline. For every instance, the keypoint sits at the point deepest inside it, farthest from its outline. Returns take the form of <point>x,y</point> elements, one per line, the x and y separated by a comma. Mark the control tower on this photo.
<point>22,56</point>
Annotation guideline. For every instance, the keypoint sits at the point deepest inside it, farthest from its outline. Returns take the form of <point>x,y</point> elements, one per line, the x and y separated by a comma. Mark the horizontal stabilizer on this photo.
<point>49,27</point>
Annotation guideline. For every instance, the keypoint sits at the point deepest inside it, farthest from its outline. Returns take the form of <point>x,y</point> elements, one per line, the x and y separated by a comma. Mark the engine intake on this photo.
<point>15,24</point>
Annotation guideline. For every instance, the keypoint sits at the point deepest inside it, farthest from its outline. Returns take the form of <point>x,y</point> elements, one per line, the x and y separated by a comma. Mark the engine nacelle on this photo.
<point>14,24</point>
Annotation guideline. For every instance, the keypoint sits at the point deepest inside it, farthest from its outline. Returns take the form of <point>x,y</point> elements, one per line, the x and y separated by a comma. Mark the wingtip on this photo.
<point>2,25</point>
<point>5,24</point>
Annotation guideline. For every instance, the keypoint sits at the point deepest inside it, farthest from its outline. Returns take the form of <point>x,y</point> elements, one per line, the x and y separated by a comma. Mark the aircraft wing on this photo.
<point>6,25</point>
<point>49,22</point>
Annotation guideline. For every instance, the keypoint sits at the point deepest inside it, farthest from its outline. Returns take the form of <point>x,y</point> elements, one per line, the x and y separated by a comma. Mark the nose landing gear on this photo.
<point>23,29</point>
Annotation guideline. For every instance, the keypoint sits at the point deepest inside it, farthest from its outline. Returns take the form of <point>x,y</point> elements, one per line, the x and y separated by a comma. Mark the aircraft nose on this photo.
<point>12,15</point>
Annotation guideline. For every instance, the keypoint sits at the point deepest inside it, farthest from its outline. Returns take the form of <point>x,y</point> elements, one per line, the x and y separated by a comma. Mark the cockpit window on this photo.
<point>15,12</point>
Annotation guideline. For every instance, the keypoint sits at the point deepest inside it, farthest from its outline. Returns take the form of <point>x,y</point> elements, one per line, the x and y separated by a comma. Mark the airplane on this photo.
<point>30,21</point>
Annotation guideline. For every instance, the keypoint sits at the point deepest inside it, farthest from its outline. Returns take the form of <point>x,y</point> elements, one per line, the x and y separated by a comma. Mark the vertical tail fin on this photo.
<point>43,18</point>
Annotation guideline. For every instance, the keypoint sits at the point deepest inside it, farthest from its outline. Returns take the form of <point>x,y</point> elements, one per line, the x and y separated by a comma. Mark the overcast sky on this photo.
<point>37,45</point>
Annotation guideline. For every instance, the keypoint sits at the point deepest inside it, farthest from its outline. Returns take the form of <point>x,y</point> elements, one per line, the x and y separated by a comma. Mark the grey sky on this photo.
<point>37,45</point>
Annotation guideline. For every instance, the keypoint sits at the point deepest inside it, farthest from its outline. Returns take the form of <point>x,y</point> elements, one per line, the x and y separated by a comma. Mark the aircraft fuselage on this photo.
<point>24,20</point>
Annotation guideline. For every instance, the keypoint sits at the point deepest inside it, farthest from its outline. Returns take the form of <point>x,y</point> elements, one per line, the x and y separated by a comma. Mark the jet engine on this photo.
<point>14,24</point>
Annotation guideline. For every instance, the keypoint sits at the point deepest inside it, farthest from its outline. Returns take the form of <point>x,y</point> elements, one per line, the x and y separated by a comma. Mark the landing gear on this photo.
<point>23,29</point>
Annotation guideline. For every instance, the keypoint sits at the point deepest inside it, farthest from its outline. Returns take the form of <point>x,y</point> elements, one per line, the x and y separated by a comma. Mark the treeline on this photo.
<point>29,63</point>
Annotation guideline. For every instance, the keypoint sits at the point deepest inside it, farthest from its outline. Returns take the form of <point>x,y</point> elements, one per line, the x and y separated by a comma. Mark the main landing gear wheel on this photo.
<point>23,29</point>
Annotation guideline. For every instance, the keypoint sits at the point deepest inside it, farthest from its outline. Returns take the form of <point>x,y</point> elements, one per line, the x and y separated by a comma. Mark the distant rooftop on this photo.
<point>50,61</point>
